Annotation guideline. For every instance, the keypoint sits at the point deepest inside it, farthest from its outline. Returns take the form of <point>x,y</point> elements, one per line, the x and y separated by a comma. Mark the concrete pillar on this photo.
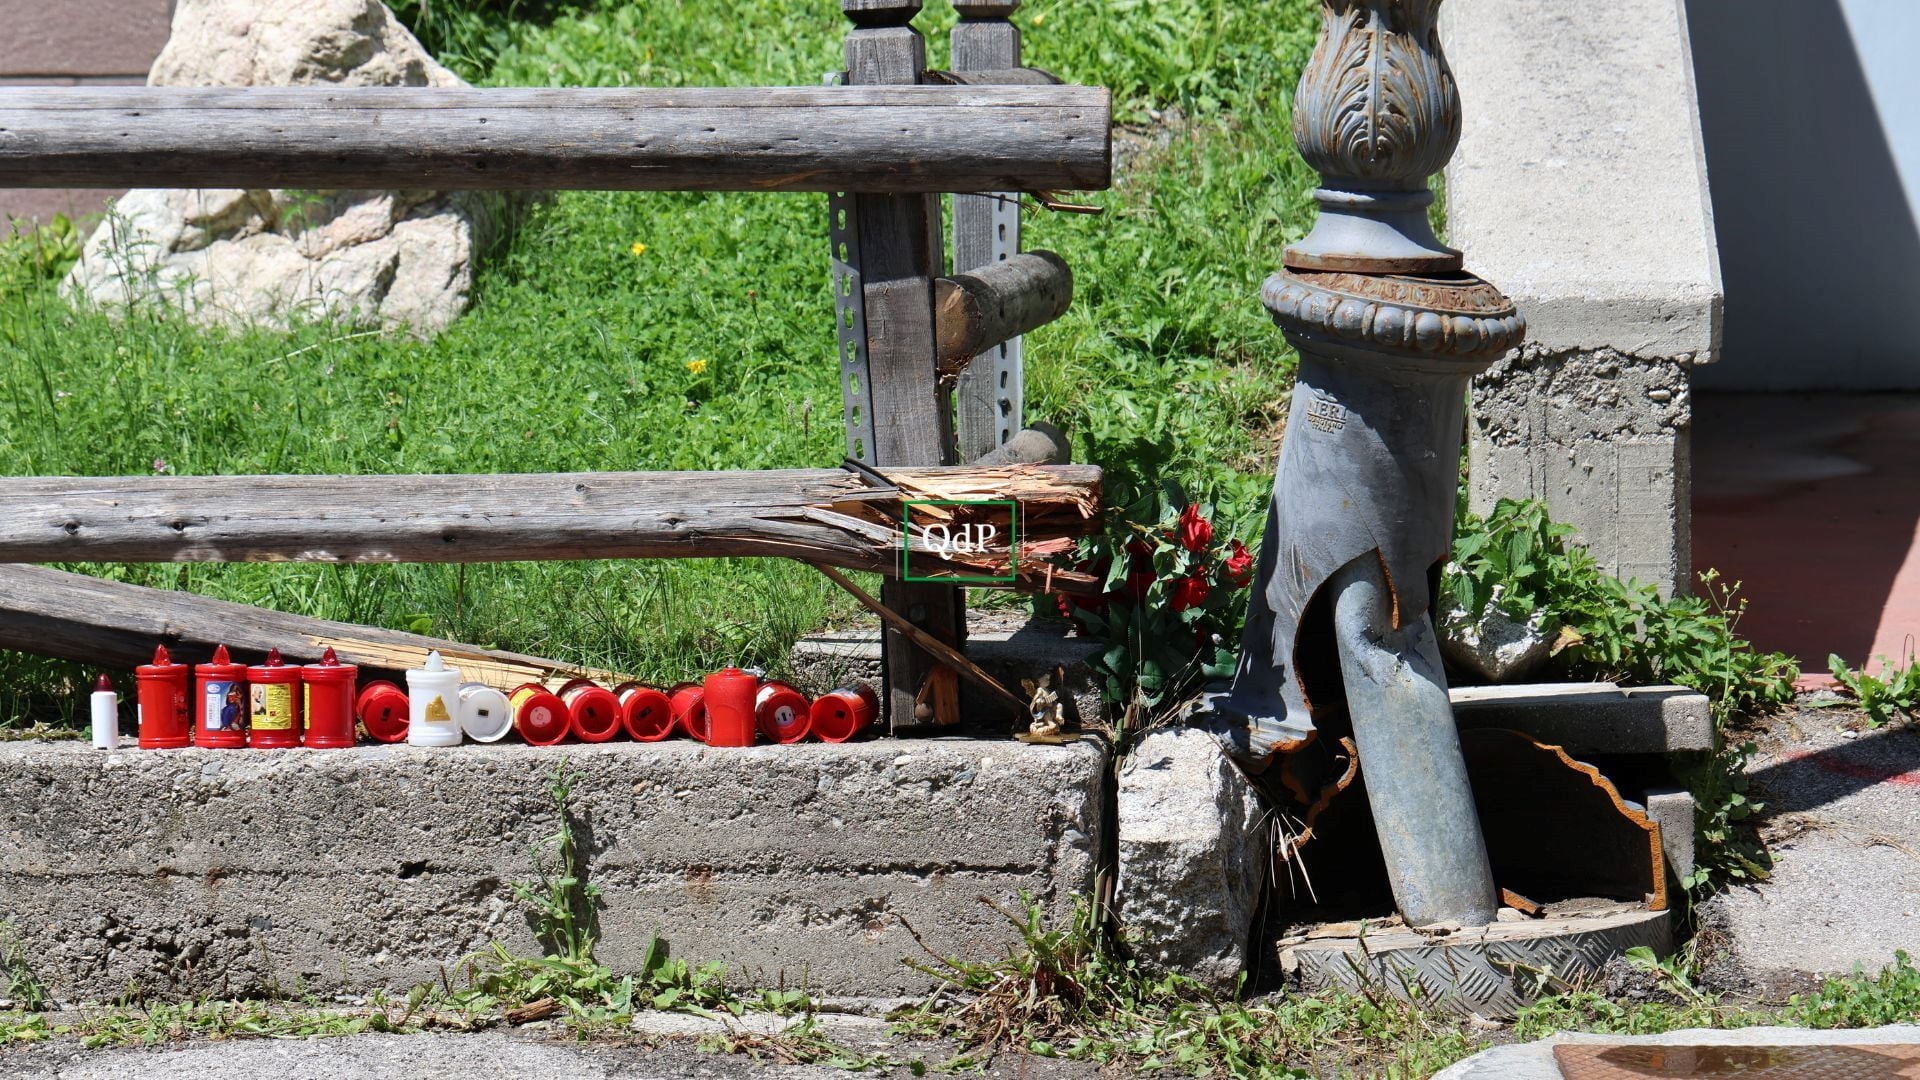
<point>1580,186</point>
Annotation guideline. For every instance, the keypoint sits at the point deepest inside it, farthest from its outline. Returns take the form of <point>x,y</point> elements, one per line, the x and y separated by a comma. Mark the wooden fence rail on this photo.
<point>828,516</point>
<point>896,139</point>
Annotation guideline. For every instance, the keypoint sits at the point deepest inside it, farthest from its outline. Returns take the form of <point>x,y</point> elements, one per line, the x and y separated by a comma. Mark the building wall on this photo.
<point>76,43</point>
<point>1811,116</point>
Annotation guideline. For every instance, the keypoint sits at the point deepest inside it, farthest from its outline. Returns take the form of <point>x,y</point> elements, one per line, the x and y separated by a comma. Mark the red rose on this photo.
<point>1239,566</point>
<point>1190,592</point>
<point>1196,532</point>
<point>1138,582</point>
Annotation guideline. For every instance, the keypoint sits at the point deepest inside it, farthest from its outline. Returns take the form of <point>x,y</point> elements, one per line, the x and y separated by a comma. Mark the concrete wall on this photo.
<point>1812,117</point>
<point>1580,189</point>
<point>235,872</point>
<point>71,43</point>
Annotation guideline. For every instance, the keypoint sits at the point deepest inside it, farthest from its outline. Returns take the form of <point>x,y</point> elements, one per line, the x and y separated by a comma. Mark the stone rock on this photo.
<point>1497,647</point>
<point>1193,855</point>
<point>268,258</point>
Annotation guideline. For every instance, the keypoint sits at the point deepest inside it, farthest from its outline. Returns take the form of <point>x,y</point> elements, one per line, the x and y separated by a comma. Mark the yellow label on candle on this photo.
<point>273,707</point>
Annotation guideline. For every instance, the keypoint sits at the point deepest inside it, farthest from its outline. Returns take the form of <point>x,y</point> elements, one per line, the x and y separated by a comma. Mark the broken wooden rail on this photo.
<point>114,624</point>
<point>830,516</point>
<point>894,139</point>
<point>999,302</point>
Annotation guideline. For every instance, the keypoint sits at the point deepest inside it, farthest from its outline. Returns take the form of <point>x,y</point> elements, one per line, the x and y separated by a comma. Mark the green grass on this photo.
<point>576,353</point>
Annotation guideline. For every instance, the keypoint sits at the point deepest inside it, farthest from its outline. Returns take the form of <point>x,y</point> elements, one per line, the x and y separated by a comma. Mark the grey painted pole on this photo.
<point>1390,331</point>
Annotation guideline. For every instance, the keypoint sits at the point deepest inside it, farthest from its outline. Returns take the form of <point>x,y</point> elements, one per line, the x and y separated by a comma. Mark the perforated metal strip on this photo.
<point>850,326</point>
<point>1008,358</point>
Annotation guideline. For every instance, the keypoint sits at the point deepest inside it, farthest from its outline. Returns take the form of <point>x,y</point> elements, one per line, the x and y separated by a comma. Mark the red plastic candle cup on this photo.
<point>273,694</point>
<point>592,710</point>
<point>220,703</point>
<point>539,716</point>
<point>783,713</point>
<point>690,710</point>
<point>328,703</point>
<point>646,712</point>
<point>166,721</point>
<point>844,714</point>
<point>730,694</point>
<point>384,711</point>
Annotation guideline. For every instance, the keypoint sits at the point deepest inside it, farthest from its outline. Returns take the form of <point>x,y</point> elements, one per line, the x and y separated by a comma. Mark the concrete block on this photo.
<point>1673,808</point>
<point>1008,650</point>
<point>1580,185</point>
<point>1593,718</point>
<point>1580,188</point>
<point>1194,856</point>
<point>94,37</point>
<point>1605,439</point>
<point>235,872</point>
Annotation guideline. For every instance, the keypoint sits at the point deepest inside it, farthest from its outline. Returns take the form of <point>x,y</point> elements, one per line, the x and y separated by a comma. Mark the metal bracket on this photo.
<point>1009,369</point>
<point>850,325</point>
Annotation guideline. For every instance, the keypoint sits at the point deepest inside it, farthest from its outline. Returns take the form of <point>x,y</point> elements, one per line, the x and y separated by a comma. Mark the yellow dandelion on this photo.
<point>698,367</point>
<point>1040,18</point>
<point>638,248</point>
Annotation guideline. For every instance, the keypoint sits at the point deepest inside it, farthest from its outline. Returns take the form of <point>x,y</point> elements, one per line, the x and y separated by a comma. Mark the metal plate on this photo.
<point>1590,1061</point>
<point>1492,971</point>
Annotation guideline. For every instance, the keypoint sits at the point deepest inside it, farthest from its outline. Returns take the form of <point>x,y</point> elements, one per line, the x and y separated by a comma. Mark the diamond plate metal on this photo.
<point>1492,970</point>
<point>1867,1061</point>
<point>850,325</point>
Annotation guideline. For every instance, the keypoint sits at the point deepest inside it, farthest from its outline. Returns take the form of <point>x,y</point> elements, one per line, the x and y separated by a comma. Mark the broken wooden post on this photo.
<point>986,308</point>
<point>1340,626</point>
<point>113,624</point>
<point>897,413</point>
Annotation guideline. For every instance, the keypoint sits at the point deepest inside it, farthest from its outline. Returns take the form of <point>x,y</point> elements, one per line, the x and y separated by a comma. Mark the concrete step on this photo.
<point>1593,718</point>
<point>238,871</point>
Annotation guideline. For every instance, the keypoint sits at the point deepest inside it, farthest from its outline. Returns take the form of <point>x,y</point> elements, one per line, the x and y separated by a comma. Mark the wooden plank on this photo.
<point>986,228</point>
<point>997,303</point>
<point>820,515</point>
<point>855,138</point>
<point>901,253</point>
<point>112,624</point>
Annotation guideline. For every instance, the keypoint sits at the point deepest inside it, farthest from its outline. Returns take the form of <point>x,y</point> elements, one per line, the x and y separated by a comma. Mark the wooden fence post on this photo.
<point>986,229</point>
<point>907,417</point>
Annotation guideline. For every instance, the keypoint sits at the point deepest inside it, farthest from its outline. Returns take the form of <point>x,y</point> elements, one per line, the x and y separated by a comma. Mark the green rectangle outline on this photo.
<point>1013,541</point>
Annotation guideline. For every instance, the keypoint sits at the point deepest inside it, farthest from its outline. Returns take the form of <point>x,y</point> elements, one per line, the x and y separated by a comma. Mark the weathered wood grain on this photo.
<point>852,138</point>
<point>998,302</point>
<point>901,253</point>
<point>819,515</point>
<point>112,624</point>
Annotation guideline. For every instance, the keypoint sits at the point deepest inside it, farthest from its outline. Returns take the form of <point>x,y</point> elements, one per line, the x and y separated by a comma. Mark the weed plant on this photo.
<point>1895,691</point>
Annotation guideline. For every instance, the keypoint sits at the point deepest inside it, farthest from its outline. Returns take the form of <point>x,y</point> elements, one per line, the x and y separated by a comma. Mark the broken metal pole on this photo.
<point>1390,330</point>
<point>1403,726</point>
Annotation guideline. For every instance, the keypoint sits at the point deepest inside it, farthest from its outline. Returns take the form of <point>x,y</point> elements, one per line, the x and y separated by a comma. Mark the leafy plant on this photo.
<point>1519,561</point>
<point>1859,1000</point>
<point>1174,602</point>
<point>34,256</point>
<point>1895,690</point>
